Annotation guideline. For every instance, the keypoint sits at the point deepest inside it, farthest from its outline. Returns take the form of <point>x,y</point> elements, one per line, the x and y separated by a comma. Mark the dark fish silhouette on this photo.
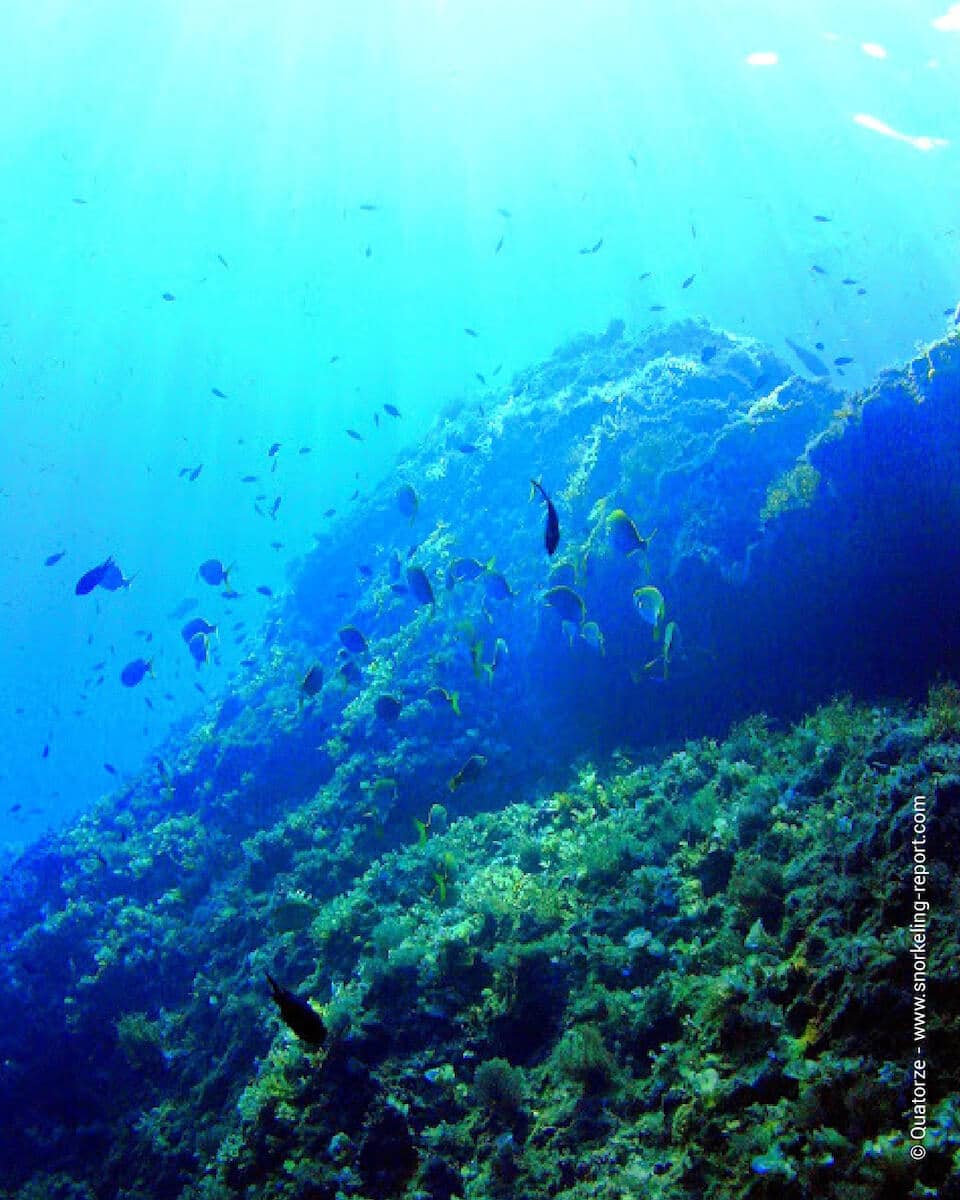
<point>689,279</point>
<point>353,434</point>
<point>134,672</point>
<point>297,1014</point>
<point>470,332</point>
<point>842,361</point>
<point>51,559</point>
<point>391,410</point>
<point>551,532</point>
<point>220,395</point>
<point>92,578</point>
<point>168,296</point>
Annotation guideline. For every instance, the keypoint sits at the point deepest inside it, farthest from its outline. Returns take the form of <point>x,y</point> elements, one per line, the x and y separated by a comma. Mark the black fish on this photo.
<point>53,558</point>
<point>391,410</point>
<point>353,434</point>
<point>480,377</point>
<point>110,768</point>
<point>819,270</point>
<point>551,533</point>
<point>220,395</point>
<point>821,218</point>
<point>311,683</point>
<point>814,365</point>
<point>498,247</point>
<point>657,307</point>
<point>264,590</point>
<point>470,332</point>
<point>46,751</point>
<point>194,473</point>
<point>168,296</point>
<point>689,279</point>
<point>223,261</point>
<point>368,208</point>
<point>842,361</point>
<point>91,579</point>
<point>467,448</point>
<point>297,1014</point>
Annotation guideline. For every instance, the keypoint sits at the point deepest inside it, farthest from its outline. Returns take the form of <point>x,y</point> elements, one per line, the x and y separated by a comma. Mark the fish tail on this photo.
<point>536,486</point>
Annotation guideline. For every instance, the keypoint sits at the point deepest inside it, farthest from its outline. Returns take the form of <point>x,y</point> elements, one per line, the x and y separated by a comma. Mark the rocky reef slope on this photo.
<point>565,940</point>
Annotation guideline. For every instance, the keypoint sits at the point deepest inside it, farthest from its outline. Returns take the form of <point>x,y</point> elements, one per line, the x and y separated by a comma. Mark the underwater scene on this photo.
<point>480,625</point>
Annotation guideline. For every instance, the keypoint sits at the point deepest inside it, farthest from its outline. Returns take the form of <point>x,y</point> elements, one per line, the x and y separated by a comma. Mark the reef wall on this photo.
<point>803,542</point>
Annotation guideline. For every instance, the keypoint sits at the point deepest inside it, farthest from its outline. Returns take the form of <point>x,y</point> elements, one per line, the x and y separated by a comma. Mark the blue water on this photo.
<point>225,154</point>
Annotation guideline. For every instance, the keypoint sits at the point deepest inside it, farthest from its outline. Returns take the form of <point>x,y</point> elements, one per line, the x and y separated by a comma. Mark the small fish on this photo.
<point>439,697</point>
<point>498,247</point>
<point>467,448</point>
<point>566,603</point>
<point>645,275</point>
<point>79,200</point>
<point>197,625</point>
<point>707,354</point>
<point>420,586</point>
<point>92,578</point>
<point>496,586</point>
<point>861,291</point>
<point>391,410</point>
<point>551,533</point>
<point>624,535</point>
<point>596,246</point>
<point>365,571</point>
<point>481,378</point>
<point>353,639</point>
<point>110,768</point>
<point>223,262</point>
<point>368,251</point>
<point>45,752</point>
<point>407,501</point>
<point>194,474</point>
<point>469,771</point>
<point>820,217</point>
<point>333,358</point>
<point>350,674</point>
<point>274,450</point>
<point>249,478</point>
<point>114,580</point>
<point>388,708</point>
<point>470,332</point>
<point>275,507</point>
<point>220,395</point>
<point>369,207</point>
<point>52,559</point>
<point>592,634</point>
<point>817,270</point>
<point>134,672</point>
<point>199,647</point>
<point>376,419</point>
<point>311,683</point>
<point>463,570</point>
<point>657,308</point>
<point>842,361</point>
<point>305,450</point>
<point>505,212</point>
<point>329,512</point>
<point>818,345</point>
<point>264,590</point>
<point>848,282</point>
<point>297,1014</point>
<point>650,605</point>
<point>213,571</point>
<point>169,296</point>
<point>689,279</point>
<point>353,434</point>
<point>563,574</point>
